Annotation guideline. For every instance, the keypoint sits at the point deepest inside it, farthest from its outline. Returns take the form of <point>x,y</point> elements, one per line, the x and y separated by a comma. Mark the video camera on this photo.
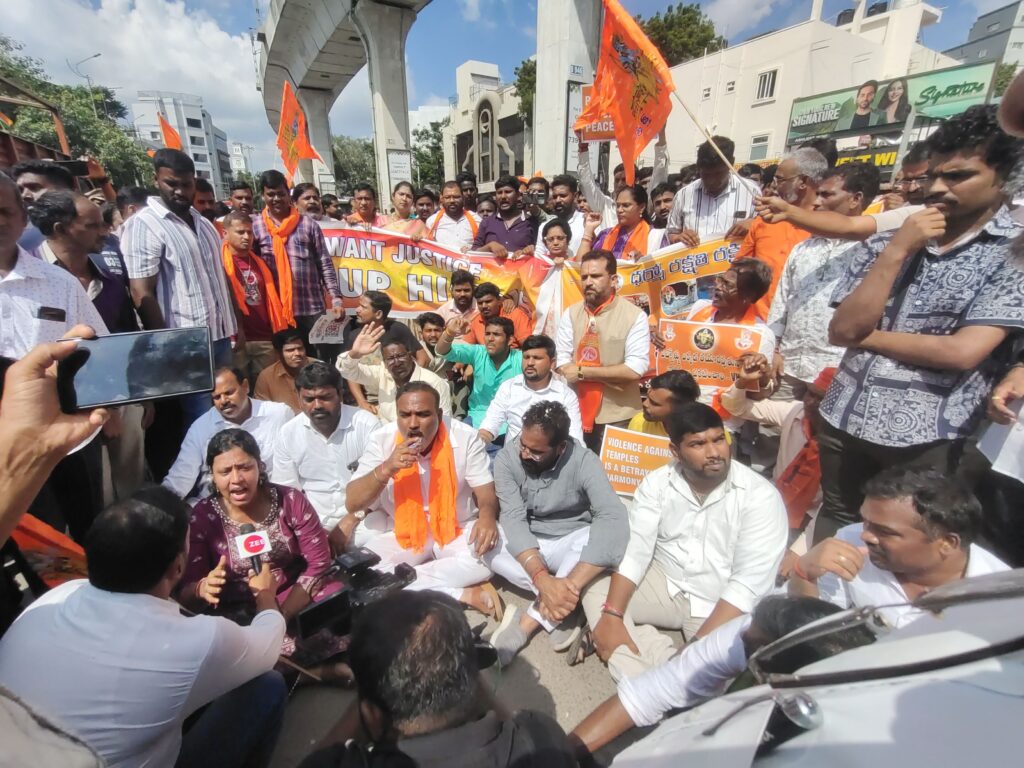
<point>361,585</point>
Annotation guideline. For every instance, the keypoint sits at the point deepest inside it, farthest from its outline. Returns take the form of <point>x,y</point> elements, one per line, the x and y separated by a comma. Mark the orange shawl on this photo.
<point>278,321</point>
<point>280,235</point>
<point>588,354</point>
<point>800,481</point>
<point>473,228</point>
<point>412,516</point>
<point>637,239</point>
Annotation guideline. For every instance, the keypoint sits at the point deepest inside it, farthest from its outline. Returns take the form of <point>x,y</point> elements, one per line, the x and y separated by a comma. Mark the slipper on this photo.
<point>581,647</point>
<point>497,604</point>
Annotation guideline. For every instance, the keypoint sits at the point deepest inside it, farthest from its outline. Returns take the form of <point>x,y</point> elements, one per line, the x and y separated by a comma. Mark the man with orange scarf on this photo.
<point>603,349</point>
<point>430,475</point>
<point>257,304</point>
<point>797,472</point>
<point>293,246</point>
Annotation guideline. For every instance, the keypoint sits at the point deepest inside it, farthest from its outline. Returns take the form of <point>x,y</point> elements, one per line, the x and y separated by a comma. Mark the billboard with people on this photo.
<point>875,106</point>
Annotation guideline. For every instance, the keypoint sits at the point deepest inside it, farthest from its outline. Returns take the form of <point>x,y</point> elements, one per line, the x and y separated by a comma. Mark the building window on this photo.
<point>730,86</point>
<point>706,94</point>
<point>766,85</point>
<point>758,147</point>
<point>197,141</point>
<point>202,174</point>
<point>993,26</point>
<point>155,135</point>
<point>199,157</point>
<point>193,123</point>
<point>983,53</point>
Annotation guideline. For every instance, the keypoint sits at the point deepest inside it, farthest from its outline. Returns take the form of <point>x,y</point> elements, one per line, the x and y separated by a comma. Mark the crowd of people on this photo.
<point>839,469</point>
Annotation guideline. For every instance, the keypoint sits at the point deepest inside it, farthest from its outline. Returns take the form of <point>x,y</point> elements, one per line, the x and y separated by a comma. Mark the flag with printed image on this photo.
<point>292,139</point>
<point>171,138</point>
<point>632,84</point>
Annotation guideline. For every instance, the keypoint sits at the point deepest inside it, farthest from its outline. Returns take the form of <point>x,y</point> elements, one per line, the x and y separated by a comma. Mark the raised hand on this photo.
<point>367,341</point>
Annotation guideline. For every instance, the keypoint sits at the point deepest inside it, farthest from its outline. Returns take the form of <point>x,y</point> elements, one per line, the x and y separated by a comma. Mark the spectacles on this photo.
<point>555,239</point>
<point>917,181</point>
<point>525,452</point>
<point>782,179</point>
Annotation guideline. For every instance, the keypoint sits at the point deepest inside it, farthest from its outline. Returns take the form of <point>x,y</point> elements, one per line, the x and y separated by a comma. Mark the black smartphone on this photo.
<point>74,167</point>
<point>134,367</point>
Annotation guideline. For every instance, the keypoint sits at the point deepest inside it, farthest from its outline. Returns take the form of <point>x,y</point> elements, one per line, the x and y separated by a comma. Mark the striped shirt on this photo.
<point>707,215</point>
<point>312,267</point>
<point>190,288</point>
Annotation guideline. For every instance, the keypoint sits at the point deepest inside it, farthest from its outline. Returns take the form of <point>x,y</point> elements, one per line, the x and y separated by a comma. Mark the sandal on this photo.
<point>581,647</point>
<point>497,611</point>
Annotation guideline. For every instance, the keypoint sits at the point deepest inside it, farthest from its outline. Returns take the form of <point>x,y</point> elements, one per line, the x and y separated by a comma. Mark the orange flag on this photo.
<point>632,85</point>
<point>292,138</point>
<point>171,138</point>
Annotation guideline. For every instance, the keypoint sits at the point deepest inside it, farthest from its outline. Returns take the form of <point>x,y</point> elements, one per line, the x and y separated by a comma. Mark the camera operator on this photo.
<point>511,231</point>
<point>417,678</point>
<point>113,661</point>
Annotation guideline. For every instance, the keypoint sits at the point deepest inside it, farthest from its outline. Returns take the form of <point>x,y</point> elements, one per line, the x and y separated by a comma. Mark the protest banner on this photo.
<point>707,351</point>
<point>628,457</point>
<point>415,274</point>
<point>53,556</point>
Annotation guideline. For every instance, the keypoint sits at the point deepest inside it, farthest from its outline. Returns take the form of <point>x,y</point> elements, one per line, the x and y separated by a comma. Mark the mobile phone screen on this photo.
<point>134,367</point>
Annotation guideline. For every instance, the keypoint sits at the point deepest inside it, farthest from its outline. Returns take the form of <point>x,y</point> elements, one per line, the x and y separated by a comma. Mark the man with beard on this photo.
<point>666,392</point>
<point>205,202</point>
<point>562,526</point>
<point>511,232</point>
<point>462,304</point>
<point>706,538</point>
<point>662,198</point>
<point>307,200</point>
<point>318,450</point>
<point>34,178</point>
<point>537,383</point>
<point>563,206</point>
<point>232,407</point>
<point>240,197</point>
<point>454,226</point>
<point>276,382</point>
<point>796,181</point>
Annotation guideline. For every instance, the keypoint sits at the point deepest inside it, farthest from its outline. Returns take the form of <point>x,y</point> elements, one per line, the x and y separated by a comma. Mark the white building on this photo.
<point>998,35</point>
<point>240,161</point>
<point>206,143</point>
<point>746,91</point>
<point>422,117</point>
<point>485,133</point>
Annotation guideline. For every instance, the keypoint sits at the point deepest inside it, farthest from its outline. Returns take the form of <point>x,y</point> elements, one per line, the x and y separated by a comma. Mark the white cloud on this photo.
<point>160,45</point>
<point>470,9</point>
<point>732,17</point>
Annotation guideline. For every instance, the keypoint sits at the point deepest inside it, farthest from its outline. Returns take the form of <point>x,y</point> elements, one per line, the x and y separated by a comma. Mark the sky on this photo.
<point>202,47</point>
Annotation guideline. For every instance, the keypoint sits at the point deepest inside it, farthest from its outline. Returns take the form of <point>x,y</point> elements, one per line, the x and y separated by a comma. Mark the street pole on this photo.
<point>75,69</point>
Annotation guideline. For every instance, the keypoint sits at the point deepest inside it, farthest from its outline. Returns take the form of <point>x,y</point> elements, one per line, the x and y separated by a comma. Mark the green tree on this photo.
<point>88,117</point>
<point>526,88</point>
<point>682,32</point>
<point>428,155</point>
<point>354,163</point>
<point>1004,76</point>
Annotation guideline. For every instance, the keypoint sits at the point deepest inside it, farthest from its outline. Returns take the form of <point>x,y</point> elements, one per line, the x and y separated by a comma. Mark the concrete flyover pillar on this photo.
<point>384,29</point>
<point>316,104</point>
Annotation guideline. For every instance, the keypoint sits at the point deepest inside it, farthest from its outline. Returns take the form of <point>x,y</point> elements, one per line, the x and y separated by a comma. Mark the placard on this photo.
<point>707,351</point>
<point>628,457</point>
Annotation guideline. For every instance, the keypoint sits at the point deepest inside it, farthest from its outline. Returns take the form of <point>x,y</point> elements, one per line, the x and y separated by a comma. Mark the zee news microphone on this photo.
<point>252,544</point>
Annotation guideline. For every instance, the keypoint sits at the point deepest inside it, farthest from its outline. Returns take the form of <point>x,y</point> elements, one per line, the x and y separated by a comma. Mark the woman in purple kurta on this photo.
<point>216,575</point>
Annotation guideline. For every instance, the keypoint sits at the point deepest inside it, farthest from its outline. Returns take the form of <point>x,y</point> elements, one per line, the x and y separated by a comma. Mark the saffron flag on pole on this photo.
<point>292,139</point>
<point>632,85</point>
<point>171,138</point>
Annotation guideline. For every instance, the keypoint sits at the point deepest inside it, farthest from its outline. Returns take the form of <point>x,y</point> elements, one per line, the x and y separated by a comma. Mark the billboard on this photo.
<point>878,106</point>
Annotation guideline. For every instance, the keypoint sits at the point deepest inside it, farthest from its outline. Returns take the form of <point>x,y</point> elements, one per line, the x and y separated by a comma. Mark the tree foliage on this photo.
<point>88,116</point>
<point>428,155</point>
<point>354,163</point>
<point>682,32</point>
<point>526,88</point>
<point>1004,76</point>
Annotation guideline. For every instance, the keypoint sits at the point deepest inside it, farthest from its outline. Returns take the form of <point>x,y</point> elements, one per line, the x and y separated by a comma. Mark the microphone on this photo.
<point>250,545</point>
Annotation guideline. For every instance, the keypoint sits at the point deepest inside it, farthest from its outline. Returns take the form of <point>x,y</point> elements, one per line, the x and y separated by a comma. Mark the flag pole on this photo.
<point>714,146</point>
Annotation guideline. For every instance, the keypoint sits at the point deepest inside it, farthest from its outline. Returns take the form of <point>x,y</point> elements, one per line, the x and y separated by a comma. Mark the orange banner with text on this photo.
<point>628,457</point>
<point>415,274</point>
<point>707,351</point>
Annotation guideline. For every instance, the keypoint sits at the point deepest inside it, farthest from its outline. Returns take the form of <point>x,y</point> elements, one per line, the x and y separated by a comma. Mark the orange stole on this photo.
<point>411,517</point>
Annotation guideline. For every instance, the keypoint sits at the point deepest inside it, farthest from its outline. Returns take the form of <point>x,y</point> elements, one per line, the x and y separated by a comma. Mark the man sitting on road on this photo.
<point>918,533</point>
<point>489,305</point>
<point>706,538</point>
<point>667,391</point>
<point>562,525</point>
<point>535,384</point>
<point>232,407</point>
<point>431,477</point>
<point>318,450</point>
<point>398,369</point>
<point>276,382</point>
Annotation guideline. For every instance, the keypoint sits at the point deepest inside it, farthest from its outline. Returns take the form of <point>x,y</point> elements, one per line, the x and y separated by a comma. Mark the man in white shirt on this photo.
<point>399,368</point>
<point>232,407</point>
<point>537,382</point>
<point>113,661</point>
<point>319,449</point>
<point>563,206</point>
<point>801,309</point>
<point>706,538</point>
<point>718,204</point>
<point>39,302</point>
<point>452,226</point>
<point>431,477</point>
<point>917,533</point>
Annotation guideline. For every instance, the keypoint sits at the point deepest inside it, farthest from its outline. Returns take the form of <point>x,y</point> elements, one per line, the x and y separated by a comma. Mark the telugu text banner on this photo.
<point>707,351</point>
